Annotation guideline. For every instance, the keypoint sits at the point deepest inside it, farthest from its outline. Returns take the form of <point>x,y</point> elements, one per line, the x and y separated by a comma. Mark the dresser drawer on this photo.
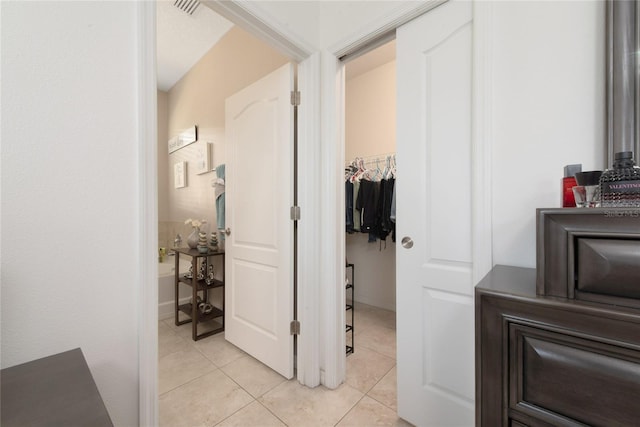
<point>548,361</point>
<point>608,267</point>
<point>589,254</point>
<point>562,377</point>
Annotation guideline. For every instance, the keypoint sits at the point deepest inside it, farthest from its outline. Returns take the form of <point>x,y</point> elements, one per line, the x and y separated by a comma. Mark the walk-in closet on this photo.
<point>370,176</point>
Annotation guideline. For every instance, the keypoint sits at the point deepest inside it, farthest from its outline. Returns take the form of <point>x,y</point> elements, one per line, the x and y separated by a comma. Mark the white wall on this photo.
<point>322,24</point>
<point>548,111</point>
<point>344,19</point>
<point>70,192</point>
<point>300,17</point>
<point>370,129</point>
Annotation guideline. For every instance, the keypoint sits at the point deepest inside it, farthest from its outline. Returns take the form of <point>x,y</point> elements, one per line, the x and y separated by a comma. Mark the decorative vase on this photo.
<point>192,240</point>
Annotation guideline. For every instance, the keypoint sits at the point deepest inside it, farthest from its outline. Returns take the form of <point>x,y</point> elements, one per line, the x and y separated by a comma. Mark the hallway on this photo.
<point>213,383</point>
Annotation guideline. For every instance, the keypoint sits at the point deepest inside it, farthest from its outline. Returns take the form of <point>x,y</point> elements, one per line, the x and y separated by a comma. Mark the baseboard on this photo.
<point>166,309</point>
<point>386,305</point>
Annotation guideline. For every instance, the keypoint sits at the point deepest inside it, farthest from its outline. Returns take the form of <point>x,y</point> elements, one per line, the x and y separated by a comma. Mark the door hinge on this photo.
<point>295,98</point>
<point>295,213</point>
<point>294,327</point>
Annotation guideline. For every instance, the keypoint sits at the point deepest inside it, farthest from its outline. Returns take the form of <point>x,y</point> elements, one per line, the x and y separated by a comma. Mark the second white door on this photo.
<point>259,194</point>
<point>435,323</point>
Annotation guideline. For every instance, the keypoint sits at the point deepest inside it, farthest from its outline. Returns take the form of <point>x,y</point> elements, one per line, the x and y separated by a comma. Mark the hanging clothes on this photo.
<point>367,204</point>
<point>348,191</point>
<point>356,213</point>
<point>369,198</point>
<point>392,215</point>
<point>387,226</point>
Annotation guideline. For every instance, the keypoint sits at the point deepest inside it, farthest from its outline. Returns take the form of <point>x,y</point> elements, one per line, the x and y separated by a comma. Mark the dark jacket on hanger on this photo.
<point>367,204</point>
<point>348,203</point>
<point>386,226</point>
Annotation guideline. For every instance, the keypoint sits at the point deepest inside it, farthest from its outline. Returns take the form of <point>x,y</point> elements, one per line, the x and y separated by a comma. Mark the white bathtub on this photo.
<point>166,290</point>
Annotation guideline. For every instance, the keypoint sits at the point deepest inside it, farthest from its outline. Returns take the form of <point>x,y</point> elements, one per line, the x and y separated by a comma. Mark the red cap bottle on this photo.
<point>568,182</point>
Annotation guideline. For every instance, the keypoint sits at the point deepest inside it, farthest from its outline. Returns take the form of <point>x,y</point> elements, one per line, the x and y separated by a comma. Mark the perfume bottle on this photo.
<point>620,185</point>
<point>568,182</point>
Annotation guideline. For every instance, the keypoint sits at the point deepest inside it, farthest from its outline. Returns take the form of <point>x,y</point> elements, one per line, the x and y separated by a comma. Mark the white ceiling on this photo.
<point>183,39</point>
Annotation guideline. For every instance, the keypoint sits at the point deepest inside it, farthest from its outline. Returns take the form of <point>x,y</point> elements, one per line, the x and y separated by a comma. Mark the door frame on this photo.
<point>268,30</point>
<point>147,292</point>
<point>321,270</point>
<point>255,21</point>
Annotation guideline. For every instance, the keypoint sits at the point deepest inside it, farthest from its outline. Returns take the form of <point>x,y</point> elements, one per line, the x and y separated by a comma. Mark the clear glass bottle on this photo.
<point>620,186</point>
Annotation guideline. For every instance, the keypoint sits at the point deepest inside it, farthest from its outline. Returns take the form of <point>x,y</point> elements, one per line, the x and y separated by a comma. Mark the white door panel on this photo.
<point>455,311</point>
<point>259,193</point>
<point>435,328</point>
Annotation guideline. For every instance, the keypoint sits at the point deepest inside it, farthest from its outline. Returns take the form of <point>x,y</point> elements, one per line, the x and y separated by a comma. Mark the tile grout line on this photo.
<point>239,409</point>
<point>350,409</point>
<point>189,382</point>
<point>270,411</point>
<point>255,399</point>
<point>216,367</point>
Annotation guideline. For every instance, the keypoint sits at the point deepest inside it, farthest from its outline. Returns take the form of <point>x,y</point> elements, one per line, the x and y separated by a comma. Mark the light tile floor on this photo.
<point>213,383</point>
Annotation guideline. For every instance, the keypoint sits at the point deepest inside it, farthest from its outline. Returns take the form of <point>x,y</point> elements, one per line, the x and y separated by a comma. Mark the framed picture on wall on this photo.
<point>203,157</point>
<point>180,174</point>
<point>184,138</point>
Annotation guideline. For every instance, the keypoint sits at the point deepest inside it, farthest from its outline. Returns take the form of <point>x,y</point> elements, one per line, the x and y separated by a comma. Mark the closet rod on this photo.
<point>372,158</point>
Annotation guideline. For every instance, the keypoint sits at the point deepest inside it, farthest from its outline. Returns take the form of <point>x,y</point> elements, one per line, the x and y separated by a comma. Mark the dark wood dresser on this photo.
<point>571,360</point>
<point>56,390</point>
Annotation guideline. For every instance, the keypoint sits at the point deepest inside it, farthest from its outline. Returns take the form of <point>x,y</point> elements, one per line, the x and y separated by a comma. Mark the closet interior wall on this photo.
<point>370,130</point>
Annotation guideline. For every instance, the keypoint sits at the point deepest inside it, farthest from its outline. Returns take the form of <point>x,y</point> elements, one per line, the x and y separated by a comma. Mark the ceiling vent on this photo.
<point>187,6</point>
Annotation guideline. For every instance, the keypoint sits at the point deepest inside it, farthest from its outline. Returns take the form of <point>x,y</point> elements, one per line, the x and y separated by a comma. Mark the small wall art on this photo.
<point>184,138</point>
<point>180,175</point>
<point>203,157</point>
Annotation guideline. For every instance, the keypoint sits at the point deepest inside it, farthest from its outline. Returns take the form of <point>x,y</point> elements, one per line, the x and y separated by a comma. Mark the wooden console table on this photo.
<point>198,285</point>
<point>56,390</point>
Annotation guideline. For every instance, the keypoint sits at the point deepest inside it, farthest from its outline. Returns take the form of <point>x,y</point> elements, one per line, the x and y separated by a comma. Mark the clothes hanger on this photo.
<point>349,171</point>
<point>362,171</point>
<point>375,173</point>
<point>379,173</point>
<point>393,165</point>
<point>387,169</point>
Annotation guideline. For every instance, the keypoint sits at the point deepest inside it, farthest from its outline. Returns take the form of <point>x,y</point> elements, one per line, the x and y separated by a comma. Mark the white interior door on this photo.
<point>259,194</point>
<point>435,322</point>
